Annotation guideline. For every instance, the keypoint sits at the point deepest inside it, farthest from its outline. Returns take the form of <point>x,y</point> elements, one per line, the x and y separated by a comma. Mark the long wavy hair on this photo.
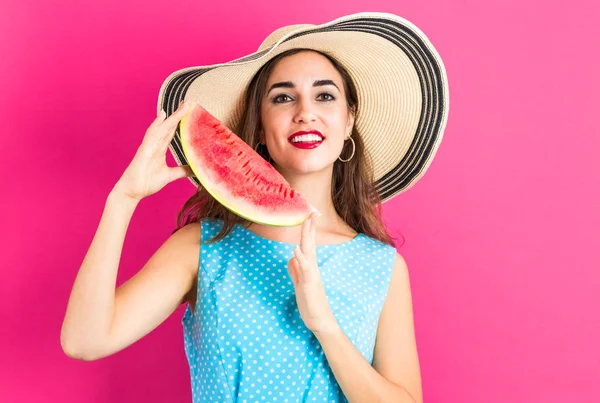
<point>352,190</point>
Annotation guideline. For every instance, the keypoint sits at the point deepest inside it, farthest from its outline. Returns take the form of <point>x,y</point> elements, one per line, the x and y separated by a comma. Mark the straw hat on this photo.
<point>400,78</point>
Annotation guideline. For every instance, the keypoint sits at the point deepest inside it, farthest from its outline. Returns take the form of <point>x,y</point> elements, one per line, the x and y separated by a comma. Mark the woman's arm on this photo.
<point>100,320</point>
<point>395,374</point>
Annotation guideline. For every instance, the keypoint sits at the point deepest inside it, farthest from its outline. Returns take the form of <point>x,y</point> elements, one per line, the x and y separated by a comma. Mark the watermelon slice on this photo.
<point>235,175</point>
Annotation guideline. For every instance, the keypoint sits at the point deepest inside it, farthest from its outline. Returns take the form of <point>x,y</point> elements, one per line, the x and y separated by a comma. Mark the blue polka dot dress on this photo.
<point>246,342</point>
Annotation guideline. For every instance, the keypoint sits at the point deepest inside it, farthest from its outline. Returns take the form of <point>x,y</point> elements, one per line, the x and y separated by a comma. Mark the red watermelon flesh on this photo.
<point>235,175</point>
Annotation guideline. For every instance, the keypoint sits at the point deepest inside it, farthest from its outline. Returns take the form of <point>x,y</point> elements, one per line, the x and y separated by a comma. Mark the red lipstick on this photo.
<point>306,144</point>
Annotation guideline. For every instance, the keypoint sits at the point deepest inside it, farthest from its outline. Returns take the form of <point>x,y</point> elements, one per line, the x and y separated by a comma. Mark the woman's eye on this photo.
<point>278,98</point>
<point>325,94</point>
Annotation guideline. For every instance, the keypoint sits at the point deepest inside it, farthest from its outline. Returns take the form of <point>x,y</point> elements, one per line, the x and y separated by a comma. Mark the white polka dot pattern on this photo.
<point>246,342</point>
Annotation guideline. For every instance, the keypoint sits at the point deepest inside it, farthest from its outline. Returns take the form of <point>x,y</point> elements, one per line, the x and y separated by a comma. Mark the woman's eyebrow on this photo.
<point>289,84</point>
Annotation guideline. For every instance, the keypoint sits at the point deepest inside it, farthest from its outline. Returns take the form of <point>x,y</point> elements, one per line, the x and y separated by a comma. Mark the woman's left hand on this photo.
<point>310,292</point>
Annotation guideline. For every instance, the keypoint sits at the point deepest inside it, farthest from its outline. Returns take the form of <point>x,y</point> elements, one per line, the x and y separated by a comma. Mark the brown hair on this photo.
<point>353,191</point>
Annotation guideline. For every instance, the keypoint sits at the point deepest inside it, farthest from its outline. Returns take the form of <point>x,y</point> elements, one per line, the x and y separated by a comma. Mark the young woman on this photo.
<point>350,116</point>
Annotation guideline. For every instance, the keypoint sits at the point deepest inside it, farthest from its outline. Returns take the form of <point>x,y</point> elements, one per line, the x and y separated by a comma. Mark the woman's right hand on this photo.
<point>148,172</point>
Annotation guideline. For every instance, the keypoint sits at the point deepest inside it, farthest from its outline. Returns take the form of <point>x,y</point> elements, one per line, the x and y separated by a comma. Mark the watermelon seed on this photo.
<point>280,188</point>
<point>292,193</point>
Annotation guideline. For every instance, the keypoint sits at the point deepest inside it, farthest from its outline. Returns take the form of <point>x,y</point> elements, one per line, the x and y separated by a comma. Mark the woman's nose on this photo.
<point>304,112</point>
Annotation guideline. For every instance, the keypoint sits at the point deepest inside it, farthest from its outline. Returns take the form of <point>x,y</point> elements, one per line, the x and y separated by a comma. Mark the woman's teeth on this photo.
<point>305,138</point>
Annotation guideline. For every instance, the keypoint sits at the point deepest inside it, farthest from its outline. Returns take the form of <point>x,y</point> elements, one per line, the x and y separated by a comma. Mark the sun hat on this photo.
<point>400,79</point>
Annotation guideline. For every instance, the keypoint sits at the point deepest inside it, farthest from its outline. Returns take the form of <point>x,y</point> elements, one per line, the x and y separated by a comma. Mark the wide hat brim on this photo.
<point>400,78</point>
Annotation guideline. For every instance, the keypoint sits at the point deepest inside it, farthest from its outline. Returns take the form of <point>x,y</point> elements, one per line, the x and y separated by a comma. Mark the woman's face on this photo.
<point>305,93</point>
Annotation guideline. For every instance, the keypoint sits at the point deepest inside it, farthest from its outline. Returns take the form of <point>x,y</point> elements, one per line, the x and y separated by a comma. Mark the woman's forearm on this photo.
<point>359,381</point>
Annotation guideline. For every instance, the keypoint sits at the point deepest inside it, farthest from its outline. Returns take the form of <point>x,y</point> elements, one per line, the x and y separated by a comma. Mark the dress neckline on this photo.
<point>259,237</point>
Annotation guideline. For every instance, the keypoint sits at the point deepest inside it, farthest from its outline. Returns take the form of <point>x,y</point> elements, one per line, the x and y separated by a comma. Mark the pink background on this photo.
<point>502,234</point>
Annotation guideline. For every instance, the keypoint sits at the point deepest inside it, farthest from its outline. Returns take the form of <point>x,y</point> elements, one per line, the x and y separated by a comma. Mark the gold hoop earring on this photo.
<point>256,147</point>
<point>353,149</point>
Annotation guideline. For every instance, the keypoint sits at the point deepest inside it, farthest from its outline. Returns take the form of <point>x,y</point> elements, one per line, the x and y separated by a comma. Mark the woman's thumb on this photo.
<point>179,172</point>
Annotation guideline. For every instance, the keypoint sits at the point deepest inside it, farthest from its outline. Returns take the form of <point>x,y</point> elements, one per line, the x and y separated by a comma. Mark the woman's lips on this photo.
<point>306,144</point>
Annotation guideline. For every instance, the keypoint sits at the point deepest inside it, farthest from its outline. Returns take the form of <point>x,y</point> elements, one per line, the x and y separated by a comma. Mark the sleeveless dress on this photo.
<point>246,342</point>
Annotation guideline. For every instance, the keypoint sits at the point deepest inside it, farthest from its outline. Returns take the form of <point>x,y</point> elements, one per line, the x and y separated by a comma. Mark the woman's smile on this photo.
<point>306,139</point>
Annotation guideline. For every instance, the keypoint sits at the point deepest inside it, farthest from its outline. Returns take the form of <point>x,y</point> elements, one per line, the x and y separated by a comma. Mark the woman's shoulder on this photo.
<point>188,231</point>
<point>186,242</point>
